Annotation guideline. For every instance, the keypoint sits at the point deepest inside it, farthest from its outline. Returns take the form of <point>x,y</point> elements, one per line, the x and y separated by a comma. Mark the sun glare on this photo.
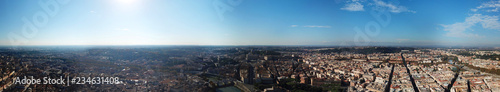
<point>126,1</point>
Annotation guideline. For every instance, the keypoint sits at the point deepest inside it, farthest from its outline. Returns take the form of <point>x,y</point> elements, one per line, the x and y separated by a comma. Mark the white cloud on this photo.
<point>122,29</point>
<point>487,22</point>
<point>316,26</point>
<point>492,6</point>
<point>92,12</point>
<point>355,6</point>
<point>402,40</point>
<point>462,34</point>
<point>459,29</point>
<point>312,26</point>
<point>392,8</point>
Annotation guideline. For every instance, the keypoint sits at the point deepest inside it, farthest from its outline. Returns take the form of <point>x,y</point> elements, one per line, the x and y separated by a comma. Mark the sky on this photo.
<point>250,22</point>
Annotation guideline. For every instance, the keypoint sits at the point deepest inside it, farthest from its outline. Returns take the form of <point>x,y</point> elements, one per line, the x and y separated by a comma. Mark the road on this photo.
<point>415,88</point>
<point>388,86</point>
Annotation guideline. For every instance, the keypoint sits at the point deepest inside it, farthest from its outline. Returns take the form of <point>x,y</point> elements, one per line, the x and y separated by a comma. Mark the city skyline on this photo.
<point>256,22</point>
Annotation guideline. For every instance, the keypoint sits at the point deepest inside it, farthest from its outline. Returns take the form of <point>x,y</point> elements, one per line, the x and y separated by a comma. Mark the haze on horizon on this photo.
<point>250,22</point>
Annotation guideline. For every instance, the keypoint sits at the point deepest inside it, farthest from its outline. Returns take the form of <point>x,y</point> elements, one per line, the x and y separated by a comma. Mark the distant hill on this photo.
<point>368,50</point>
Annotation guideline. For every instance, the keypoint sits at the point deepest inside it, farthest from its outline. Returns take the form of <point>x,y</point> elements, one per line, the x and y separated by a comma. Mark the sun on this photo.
<point>126,5</point>
<point>126,2</point>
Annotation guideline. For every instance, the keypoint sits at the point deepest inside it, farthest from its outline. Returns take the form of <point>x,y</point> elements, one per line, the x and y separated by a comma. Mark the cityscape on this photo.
<point>249,46</point>
<point>256,68</point>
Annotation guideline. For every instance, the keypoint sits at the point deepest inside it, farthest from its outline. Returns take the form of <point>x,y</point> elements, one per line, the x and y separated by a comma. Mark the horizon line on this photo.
<point>267,45</point>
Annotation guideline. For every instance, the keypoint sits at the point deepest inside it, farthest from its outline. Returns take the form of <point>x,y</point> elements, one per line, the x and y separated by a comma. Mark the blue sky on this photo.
<point>250,22</point>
